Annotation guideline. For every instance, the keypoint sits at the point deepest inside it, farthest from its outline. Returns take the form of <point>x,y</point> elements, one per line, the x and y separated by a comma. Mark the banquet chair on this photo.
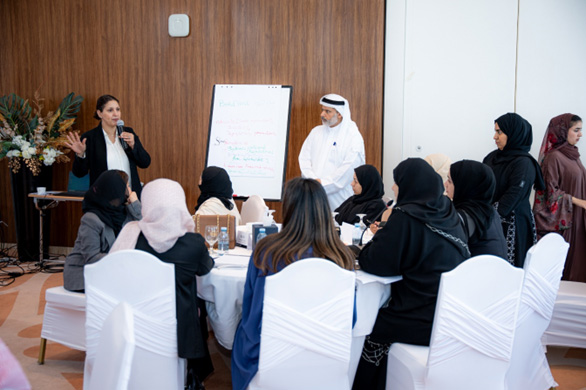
<point>568,322</point>
<point>472,334</point>
<point>148,286</point>
<point>253,209</point>
<point>306,331</point>
<point>115,351</point>
<point>543,270</point>
<point>63,320</point>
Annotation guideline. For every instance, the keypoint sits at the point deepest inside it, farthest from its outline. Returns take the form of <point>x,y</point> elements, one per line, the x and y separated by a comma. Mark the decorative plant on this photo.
<point>28,136</point>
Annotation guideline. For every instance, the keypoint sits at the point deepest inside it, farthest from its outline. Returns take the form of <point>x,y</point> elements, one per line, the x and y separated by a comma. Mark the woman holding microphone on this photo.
<point>108,146</point>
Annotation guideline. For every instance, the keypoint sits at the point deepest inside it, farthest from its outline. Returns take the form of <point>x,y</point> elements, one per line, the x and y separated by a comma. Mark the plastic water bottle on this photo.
<point>261,234</point>
<point>356,234</point>
<point>223,242</point>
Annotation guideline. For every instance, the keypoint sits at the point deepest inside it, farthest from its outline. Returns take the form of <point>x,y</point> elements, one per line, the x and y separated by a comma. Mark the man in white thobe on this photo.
<point>332,150</point>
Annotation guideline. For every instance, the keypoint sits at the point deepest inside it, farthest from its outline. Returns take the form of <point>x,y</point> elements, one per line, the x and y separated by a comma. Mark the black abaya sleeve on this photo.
<point>520,176</point>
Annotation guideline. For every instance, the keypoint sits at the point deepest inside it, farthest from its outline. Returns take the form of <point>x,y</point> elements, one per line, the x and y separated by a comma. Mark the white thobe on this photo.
<point>331,154</point>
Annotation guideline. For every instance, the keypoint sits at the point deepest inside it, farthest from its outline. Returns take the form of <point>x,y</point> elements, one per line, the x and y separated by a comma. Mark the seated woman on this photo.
<point>107,206</point>
<point>471,186</point>
<point>166,231</point>
<point>422,238</point>
<point>307,231</point>
<point>367,199</point>
<point>216,194</point>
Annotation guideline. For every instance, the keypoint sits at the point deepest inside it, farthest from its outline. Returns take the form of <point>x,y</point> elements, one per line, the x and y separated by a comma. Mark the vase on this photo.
<point>26,216</point>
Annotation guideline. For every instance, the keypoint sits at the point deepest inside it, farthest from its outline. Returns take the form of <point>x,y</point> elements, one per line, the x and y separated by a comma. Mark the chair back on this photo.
<point>253,209</point>
<point>113,359</point>
<point>474,325</point>
<point>306,327</point>
<point>148,286</point>
<point>543,271</point>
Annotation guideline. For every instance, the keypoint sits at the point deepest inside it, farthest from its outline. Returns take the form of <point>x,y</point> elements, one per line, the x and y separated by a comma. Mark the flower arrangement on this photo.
<point>28,136</point>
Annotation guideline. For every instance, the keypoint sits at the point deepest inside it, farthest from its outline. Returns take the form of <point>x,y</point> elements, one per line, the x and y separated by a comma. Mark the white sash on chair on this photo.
<point>489,332</point>
<point>321,330</point>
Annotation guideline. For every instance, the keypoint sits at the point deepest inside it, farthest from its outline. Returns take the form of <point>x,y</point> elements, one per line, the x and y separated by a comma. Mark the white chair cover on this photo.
<point>543,270</point>
<point>64,318</point>
<point>148,286</point>
<point>306,328</point>
<point>568,322</point>
<point>253,209</point>
<point>472,332</point>
<point>113,360</point>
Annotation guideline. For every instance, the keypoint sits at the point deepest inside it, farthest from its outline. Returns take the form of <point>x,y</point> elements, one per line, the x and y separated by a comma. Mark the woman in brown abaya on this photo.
<point>560,208</point>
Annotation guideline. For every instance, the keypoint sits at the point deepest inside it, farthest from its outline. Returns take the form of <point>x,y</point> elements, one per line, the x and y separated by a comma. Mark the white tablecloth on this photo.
<point>223,287</point>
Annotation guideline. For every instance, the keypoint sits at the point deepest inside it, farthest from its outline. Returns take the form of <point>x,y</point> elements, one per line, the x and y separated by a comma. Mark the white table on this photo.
<point>223,288</point>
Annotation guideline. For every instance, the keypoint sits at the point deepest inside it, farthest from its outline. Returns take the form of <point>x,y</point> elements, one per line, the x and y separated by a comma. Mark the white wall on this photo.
<point>551,75</point>
<point>451,69</point>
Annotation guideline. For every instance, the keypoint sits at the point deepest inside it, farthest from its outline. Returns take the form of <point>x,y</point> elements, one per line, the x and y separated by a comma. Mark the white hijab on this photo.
<point>165,218</point>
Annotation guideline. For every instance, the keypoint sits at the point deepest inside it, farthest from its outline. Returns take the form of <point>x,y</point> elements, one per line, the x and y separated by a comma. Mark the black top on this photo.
<point>405,246</point>
<point>491,242</point>
<point>95,161</point>
<point>190,257</point>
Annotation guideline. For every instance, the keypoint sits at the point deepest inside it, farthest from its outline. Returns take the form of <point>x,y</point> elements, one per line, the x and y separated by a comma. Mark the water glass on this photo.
<point>211,236</point>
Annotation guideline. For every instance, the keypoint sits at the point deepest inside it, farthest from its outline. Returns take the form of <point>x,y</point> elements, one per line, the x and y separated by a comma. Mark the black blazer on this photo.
<point>95,160</point>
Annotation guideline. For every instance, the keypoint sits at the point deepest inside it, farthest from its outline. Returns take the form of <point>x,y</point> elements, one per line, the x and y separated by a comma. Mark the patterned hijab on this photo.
<point>556,138</point>
<point>107,199</point>
<point>215,183</point>
<point>165,218</point>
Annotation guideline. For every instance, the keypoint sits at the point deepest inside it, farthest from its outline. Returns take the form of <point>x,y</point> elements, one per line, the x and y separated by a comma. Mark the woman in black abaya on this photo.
<point>367,199</point>
<point>422,238</point>
<point>516,171</point>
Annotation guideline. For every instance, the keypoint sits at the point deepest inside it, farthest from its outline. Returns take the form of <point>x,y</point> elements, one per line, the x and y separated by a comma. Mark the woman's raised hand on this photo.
<point>74,143</point>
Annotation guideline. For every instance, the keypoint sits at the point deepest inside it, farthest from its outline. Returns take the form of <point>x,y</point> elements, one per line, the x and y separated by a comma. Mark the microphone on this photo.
<point>119,130</point>
<point>389,204</point>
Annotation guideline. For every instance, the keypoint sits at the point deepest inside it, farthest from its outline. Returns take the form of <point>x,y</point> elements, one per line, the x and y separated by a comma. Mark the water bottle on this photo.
<point>356,234</point>
<point>261,234</point>
<point>223,242</point>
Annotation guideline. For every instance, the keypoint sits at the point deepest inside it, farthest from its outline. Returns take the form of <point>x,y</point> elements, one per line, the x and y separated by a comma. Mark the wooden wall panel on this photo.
<point>165,84</point>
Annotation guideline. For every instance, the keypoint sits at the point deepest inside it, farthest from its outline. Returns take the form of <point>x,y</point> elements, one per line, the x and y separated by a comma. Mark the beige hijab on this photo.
<point>440,163</point>
<point>165,218</point>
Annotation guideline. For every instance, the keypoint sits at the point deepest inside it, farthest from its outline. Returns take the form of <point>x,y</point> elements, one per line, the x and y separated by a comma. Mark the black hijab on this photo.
<point>372,192</point>
<point>215,183</point>
<point>474,185</point>
<point>519,139</point>
<point>371,183</point>
<point>107,199</point>
<point>421,195</point>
